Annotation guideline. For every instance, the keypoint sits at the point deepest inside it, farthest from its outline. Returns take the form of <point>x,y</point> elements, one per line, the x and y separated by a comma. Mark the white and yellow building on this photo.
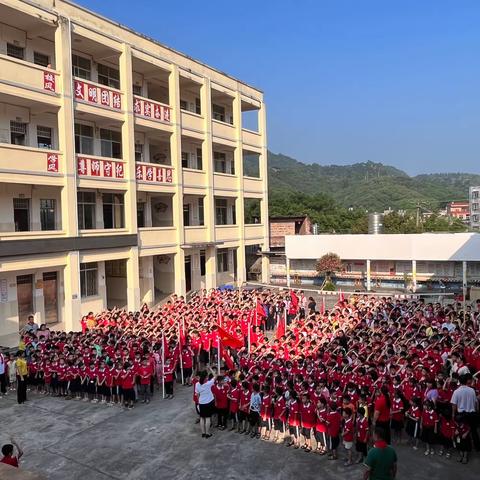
<point>126,168</point>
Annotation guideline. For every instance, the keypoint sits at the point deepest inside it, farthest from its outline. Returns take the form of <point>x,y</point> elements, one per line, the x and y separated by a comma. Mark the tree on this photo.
<point>328,264</point>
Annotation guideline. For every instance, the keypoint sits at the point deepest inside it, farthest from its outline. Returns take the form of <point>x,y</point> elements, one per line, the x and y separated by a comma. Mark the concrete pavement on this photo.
<point>77,440</point>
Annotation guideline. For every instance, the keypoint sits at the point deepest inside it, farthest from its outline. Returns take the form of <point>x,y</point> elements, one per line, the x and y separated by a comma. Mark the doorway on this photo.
<point>24,298</point>
<point>188,273</point>
<point>50,297</point>
<point>116,283</point>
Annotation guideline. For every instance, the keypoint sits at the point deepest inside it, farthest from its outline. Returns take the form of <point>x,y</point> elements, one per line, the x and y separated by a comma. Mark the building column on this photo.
<point>210,267</point>
<point>287,264</point>
<point>414,276</point>
<point>263,168</point>
<point>71,287</point>
<point>133,280</point>
<point>179,272</point>
<point>369,276</point>
<point>240,203</point>
<point>128,138</point>
<point>207,157</point>
<point>265,269</point>
<point>65,119</point>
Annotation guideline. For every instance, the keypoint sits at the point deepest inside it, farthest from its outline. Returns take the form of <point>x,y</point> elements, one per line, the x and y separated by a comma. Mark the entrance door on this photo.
<point>50,297</point>
<point>24,298</point>
<point>188,273</point>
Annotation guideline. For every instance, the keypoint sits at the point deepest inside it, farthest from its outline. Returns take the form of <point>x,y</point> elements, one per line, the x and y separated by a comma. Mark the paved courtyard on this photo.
<point>75,440</point>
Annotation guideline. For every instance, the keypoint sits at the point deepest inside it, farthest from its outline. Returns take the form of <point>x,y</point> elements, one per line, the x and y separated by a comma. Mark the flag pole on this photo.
<point>163,363</point>
<point>180,353</point>
<point>218,356</point>
<point>249,328</point>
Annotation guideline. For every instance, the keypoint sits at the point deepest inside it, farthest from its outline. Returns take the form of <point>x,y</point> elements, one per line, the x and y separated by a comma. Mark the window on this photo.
<point>113,210</point>
<point>41,59</point>
<point>21,214</point>
<point>198,106</point>
<point>475,218</point>
<point>86,202</point>
<point>220,161</point>
<point>222,260</point>
<point>475,194</point>
<point>203,263</point>
<point>140,214</point>
<point>185,157</point>
<point>201,214</point>
<point>83,139</point>
<point>183,105</point>
<point>137,90</point>
<point>474,206</point>
<point>116,268</point>
<point>138,152</point>
<point>199,159</point>
<point>221,211</point>
<point>44,137</point>
<point>15,51</point>
<point>47,214</point>
<point>108,76</point>
<point>218,112</point>
<point>186,215</point>
<point>81,67</point>
<point>88,279</point>
<point>18,133</point>
<point>111,143</point>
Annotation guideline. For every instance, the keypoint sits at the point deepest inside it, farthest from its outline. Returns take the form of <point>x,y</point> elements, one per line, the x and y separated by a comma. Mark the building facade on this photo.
<point>391,261</point>
<point>288,225</point>
<point>460,210</point>
<point>121,168</point>
<point>474,200</point>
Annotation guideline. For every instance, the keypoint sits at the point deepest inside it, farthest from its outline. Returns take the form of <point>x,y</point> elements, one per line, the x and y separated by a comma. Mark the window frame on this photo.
<point>46,211</point>
<point>82,205</point>
<point>88,279</point>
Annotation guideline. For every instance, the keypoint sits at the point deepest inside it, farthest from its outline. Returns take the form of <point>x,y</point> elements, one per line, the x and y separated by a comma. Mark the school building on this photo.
<point>427,261</point>
<point>128,170</point>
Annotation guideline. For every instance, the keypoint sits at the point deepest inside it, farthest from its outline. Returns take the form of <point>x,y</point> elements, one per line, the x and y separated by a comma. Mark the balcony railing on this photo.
<point>146,108</point>
<point>96,94</point>
<point>30,160</point>
<point>28,74</point>
<point>100,167</point>
<point>146,172</point>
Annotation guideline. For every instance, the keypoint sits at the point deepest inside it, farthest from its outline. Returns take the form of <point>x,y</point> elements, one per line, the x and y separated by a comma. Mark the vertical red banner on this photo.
<point>49,81</point>
<point>52,162</point>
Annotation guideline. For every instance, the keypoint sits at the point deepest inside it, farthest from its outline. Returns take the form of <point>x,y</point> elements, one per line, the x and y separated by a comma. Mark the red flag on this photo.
<point>280,327</point>
<point>341,296</point>
<point>228,340</point>
<point>227,359</point>
<point>322,308</point>
<point>259,310</point>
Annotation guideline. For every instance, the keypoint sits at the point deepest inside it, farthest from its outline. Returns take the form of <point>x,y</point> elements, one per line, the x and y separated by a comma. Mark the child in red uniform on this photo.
<point>8,457</point>
<point>145,373</point>
<point>233,404</point>
<point>348,434</point>
<point>307,417</point>
<point>413,415</point>
<point>397,415</point>
<point>429,421</point>
<point>334,421</point>
<point>266,413</point>
<point>362,432</point>
<point>321,426</point>
<point>294,420</point>
<point>168,371</point>
<point>463,441</point>
<point>128,384</point>
<point>244,409</point>
<point>220,393</point>
<point>279,415</point>
<point>447,432</point>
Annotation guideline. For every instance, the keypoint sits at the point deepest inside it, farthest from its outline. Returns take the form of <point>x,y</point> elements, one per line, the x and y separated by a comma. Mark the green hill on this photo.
<point>371,186</point>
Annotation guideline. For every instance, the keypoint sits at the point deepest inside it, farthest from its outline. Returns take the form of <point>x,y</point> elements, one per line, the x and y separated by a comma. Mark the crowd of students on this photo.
<point>327,375</point>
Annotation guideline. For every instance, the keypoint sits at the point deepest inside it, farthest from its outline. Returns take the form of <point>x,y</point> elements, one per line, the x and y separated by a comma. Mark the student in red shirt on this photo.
<point>279,415</point>
<point>334,421</point>
<point>348,434</point>
<point>398,415</point>
<point>233,404</point>
<point>244,408</point>
<point>128,384</point>
<point>8,453</point>
<point>308,417</point>
<point>220,393</point>
<point>429,421</point>
<point>187,364</point>
<point>145,373</point>
<point>321,426</point>
<point>294,420</point>
<point>447,432</point>
<point>361,434</point>
<point>266,413</point>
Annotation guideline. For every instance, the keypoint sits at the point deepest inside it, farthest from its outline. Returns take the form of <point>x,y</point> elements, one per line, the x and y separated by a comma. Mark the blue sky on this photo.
<point>345,81</point>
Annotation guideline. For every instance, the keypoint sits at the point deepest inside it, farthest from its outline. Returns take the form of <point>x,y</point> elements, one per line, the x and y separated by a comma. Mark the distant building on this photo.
<point>460,210</point>
<point>474,204</point>
<point>281,226</point>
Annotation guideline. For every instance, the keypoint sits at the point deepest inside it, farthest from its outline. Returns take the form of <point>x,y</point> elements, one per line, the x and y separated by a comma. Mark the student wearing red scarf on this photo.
<point>381,461</point>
